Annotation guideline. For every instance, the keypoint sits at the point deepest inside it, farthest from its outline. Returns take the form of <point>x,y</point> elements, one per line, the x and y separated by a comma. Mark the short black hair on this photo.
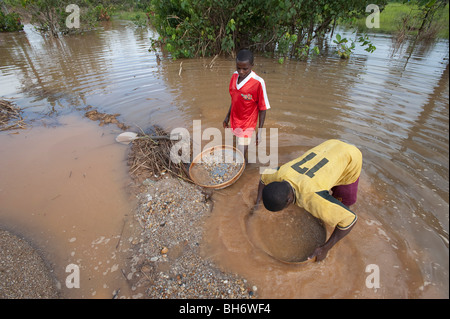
<point>245,55</point>
<point>275,196</point>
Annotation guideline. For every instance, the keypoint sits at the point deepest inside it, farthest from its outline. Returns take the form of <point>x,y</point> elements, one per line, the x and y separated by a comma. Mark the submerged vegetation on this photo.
<point>289,28</point>
<point>58,17</point>
<point>198,28</point>
<point>284,29</point>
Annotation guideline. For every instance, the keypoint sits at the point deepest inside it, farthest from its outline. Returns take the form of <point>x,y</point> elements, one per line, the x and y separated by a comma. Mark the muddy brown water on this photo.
<point>63,181</point>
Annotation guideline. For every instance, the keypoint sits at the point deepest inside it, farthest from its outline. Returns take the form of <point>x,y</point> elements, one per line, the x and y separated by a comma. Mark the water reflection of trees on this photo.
<point>431,121</point>
<point>411,107</point>
<point>426,104</point>
<point>110,69</point>
<point>55,70</point>
<point>410,48</point>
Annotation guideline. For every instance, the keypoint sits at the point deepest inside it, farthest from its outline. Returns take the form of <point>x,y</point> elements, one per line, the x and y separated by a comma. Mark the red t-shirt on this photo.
<point>247,99</point>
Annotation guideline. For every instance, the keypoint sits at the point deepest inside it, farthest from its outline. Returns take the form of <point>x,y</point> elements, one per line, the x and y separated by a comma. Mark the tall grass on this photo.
<point>137,16</point>
<point>129,15</point>
<point>396,16</point>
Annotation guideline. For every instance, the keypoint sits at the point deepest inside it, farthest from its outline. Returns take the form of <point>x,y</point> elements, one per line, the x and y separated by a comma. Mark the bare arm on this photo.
<point>227,119</point>
<point>262,118</point>
<point>260,190</point>
<point>258,197</point>
<point>321,252</point>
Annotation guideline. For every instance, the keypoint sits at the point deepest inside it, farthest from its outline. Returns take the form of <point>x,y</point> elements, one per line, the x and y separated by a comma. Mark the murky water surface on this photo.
<point>63,181</point>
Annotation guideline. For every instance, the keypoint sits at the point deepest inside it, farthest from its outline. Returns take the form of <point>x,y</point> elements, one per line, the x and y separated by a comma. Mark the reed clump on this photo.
<point>150,159</point>
<point>10,116</point>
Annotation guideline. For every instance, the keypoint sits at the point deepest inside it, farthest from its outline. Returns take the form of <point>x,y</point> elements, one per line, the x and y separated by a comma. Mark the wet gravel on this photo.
<point>23,273</point>
<point>167,260</point>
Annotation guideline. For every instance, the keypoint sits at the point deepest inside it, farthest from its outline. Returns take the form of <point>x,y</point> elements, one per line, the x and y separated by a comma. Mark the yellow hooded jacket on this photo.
<point>313,174</point>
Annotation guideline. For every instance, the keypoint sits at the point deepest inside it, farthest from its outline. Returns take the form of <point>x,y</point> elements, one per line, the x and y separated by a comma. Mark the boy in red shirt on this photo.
<point>248,101</point>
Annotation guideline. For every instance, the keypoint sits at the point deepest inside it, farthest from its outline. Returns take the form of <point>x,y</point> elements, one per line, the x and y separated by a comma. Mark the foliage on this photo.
<point>344,50</point>
<point>285,28</point>
<point>10,22</point>
<point>185,27</point>
<point>140,19</point>
<point>101,13</point>
<point>405,17</point>
<point>423,21</point>
<point>44,14</point>
<point>49,16</point>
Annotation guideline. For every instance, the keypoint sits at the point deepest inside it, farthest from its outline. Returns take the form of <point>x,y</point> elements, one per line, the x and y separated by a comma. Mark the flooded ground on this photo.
<point>63,182</point>
<point>63,189</point>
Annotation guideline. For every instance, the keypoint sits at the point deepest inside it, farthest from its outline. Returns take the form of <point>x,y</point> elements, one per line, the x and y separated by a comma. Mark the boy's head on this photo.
<point>244,63</point>
<point>277,195</point>
<point>245,55</point>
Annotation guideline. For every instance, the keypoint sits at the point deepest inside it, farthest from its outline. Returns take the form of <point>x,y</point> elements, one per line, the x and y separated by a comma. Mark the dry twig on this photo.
<point>151,158</point>
<point>10,117</point>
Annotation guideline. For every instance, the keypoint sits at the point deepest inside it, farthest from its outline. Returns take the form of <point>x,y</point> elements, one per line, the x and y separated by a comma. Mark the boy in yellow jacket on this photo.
<point>307,181</point>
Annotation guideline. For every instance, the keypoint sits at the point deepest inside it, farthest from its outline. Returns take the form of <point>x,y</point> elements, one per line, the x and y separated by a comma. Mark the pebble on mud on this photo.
<point>171,213</point>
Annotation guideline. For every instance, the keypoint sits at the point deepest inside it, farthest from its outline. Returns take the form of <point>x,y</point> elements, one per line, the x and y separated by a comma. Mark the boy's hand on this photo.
<point>258,136</point>
<point>319,253</point>
<point>225,122</point>
<point>254,208</point>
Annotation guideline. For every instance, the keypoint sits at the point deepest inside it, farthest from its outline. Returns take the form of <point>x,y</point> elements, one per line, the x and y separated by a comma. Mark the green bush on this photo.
<point>284,28</point>
<point>10,22</point>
